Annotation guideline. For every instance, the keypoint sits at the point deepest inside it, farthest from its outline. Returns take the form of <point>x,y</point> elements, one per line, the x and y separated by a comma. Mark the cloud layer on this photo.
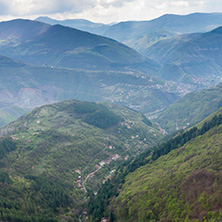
<point>105,10</point>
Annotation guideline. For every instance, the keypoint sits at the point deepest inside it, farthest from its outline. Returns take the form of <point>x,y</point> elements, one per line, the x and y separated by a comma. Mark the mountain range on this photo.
<point>84,161</point>
<point>81,24</point>
<point>142,34</point>
<point>41,44</point>
<point>189,56</point>
<point>168,24</point>
<point>107,70</point>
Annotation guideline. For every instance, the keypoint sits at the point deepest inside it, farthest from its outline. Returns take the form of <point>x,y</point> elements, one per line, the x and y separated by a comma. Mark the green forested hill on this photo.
<point>181,181</point>
<point>191,109</point>
<point>48,154</point>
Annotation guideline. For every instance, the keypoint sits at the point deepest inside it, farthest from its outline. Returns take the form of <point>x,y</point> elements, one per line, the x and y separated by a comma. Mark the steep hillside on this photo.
<point>68,47</point>
<point>190,58</point>
<point>161,49</point>
<point>9,112</point>
<point>82,24</point>
<point>178,24</point>
<point>143,43</point>
<point>179,181</point>
<point>56,152</point>
<point>191,109</point>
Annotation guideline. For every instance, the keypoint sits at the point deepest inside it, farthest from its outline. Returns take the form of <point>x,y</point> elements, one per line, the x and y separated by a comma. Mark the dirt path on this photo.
<point>88,176</point>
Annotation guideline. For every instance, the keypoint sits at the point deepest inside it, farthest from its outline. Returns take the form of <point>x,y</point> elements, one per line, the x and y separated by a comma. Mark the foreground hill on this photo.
<point>67,47</point>
<point>190,58</point>
<point>191,109</point>
<point>24,87</point>
<point>56,152</point>
<point>82,24</point>
<point>179,181</point>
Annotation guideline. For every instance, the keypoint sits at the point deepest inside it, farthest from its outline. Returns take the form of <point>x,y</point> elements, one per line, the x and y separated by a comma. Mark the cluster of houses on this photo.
<point>128,124</point>
<point>79,185</point>
<point>14,138</point>
<point>112,157</point>
<point>110,174</point>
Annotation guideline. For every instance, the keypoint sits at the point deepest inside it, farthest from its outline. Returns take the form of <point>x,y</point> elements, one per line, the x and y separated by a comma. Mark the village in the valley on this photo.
<point>112,157</point>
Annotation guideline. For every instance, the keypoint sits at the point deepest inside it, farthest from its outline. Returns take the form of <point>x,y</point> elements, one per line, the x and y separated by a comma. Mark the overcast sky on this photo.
<point>105,11</point>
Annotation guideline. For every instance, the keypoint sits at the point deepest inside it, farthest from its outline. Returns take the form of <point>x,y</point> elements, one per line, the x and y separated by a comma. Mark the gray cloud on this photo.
<point>4,7</point>
<point>29,7</point>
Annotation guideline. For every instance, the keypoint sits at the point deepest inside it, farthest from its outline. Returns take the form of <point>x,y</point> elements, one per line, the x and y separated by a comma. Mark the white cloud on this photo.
<point>115,3</point>
<point>105,10</point>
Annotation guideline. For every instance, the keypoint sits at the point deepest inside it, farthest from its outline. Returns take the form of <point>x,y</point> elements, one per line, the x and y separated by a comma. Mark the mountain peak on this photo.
<point>22,29</point>
<point>217,30</point>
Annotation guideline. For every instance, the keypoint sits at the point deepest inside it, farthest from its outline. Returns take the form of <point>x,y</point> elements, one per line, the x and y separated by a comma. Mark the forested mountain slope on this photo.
<point>179,181</point>
<point>56,153</point>
<point>190,109</point>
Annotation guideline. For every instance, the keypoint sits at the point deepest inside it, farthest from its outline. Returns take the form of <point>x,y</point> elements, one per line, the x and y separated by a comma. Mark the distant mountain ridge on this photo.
<point>187,56</point>
<point>143,34</point>
<point>67,47</point>
<point>19,30</point>
<point>196,22</point>
<point>82,24</point>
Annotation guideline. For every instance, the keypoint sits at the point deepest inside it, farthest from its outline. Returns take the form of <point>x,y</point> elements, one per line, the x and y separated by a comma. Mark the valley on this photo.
<point>35,86</point>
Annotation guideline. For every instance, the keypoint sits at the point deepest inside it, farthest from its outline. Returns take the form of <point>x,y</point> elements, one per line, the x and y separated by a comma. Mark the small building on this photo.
<point>97,166</point>
<point>102,163</point>
<point>104,219</point>
<point>126,157</point>
<point>78,171</point>
<point>85,211</point>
